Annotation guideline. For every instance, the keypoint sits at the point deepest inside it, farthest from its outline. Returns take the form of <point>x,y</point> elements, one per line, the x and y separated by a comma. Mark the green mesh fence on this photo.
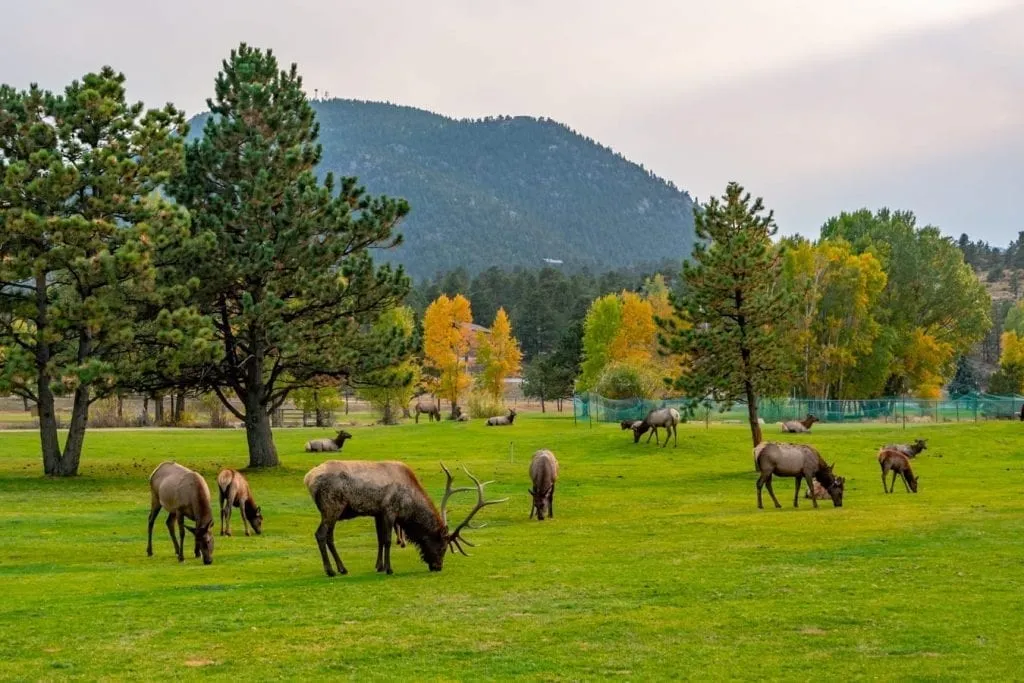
<point>967,408</point>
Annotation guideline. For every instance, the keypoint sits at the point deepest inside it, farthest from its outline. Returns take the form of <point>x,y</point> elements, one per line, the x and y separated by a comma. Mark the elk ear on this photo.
<point>530,491</point>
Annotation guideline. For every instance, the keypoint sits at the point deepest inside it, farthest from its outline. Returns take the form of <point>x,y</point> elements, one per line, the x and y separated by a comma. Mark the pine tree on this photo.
<point>80,224</point>
<point>736,305</point>
<point>291,285</point>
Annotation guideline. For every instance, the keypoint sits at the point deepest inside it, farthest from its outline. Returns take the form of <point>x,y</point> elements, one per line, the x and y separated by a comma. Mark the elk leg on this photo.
<point>892,484</point>
<point>551,502</point>
<point>771,491</point>
<point>226,512</point>
<point>884,487</point>
<point>796,496</point>
<point>903,475</point>
<point>399,535</point>
<point>223,497</point>
<point>334,551</point>
<point>321,544</point>
<point>675,436</point>
<point>241,513</point>
<point>386,525</point>
<point>417,416</point>
<point>379,523</point>
<point>152,518</point>
<point>171,518</point>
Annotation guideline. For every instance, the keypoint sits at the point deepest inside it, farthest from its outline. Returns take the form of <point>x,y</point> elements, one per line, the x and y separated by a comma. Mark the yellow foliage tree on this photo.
<point>446,343</point>
<point>499,355</point>
<point>1012,349</point>
<point>637,333</point>
<point>926,363</point>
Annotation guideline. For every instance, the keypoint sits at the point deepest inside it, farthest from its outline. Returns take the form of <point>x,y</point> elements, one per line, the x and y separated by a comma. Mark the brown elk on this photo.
<point>795,460</point>
<point>502,420</point>
<point>543,474</point>
<point>328,445</point>
<point>800,426</point>
<point>432,410</point>
<point>899,464</point>
<point>236,493</point>
<point>663,417</point>
<point>183,493</point>
<point>390,493</point>
<point>910,450</point>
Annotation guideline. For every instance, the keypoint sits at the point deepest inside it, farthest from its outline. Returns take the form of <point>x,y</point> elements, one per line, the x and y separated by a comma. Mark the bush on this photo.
<point>626,380</point>
<point>103,413</point>
<point>482,405</point>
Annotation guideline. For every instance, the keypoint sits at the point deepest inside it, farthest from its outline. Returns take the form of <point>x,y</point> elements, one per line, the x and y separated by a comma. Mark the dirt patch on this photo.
<point>199,662</point>
<point>812,631</point>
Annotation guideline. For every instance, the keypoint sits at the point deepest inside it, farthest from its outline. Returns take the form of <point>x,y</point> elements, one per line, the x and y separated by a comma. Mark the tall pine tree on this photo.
<point>291,286</point>
<point>80,222</point>
<point>734,300</point>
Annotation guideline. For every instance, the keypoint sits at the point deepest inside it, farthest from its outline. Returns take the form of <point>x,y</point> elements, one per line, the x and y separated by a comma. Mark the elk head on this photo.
<point>913,483</point>
<point>434,550</point>
<point>204,541</point>
<point>540,502</point>
<point>255,517</point>
<point>342,436</point>
<point>810,419</point>
<point>836,488</point>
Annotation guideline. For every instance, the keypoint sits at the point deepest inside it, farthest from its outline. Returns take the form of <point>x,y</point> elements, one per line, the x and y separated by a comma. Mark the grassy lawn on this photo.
<point>657,564</point>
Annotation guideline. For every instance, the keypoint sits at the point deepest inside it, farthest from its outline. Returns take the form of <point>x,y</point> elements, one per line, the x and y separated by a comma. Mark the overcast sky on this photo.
<point>819,106</point>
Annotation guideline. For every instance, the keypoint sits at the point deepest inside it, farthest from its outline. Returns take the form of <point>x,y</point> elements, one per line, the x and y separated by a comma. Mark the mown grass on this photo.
<point>658,564</point>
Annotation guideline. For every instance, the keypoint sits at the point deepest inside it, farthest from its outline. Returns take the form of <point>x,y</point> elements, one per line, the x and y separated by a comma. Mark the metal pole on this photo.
<point>904,411</point>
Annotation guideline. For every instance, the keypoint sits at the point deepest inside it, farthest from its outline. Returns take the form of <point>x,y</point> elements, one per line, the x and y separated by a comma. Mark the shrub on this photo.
<point>628,380</point>
<point>482,405</point>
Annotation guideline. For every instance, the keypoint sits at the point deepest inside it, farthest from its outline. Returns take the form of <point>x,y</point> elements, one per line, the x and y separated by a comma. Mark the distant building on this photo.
<point>553,261</point>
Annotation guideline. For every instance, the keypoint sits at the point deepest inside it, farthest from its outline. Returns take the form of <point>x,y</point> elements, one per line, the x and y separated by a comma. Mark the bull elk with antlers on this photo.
<point>391,494</point>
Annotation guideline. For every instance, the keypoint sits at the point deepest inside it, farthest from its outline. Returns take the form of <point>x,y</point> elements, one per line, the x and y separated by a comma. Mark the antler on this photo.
<point>453,538</point>
<point>448,491</point>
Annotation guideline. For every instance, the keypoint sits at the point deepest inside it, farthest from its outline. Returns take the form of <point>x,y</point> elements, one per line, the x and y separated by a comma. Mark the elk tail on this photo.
<point>757,455</point>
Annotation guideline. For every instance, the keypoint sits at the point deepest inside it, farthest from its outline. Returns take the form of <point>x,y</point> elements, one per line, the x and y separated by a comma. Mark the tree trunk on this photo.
<point>76,433</point>
<point>179,406</point>
<point>48,427</point>
<point>120,408</point>
<point>542,405</point>
<point>755,426</point>
<point>145,411</point>
<point>262,452</point>
<point>158,412</point>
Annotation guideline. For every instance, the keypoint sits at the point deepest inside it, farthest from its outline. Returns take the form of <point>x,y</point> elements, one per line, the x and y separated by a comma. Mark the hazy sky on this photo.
<point>819,106</point>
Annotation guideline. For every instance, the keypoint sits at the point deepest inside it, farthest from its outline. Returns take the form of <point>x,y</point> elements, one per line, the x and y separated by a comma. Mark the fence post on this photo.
<point>904,411</point>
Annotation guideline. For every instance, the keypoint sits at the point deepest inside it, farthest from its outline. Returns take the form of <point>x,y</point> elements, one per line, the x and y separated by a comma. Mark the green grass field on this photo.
<point>657,564</point>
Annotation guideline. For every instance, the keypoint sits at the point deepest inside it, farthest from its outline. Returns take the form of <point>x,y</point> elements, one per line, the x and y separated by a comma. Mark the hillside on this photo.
<point>505,191</point>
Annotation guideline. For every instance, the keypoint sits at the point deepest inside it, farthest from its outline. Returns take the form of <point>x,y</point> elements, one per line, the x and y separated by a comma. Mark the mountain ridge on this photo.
<point>504,191</point>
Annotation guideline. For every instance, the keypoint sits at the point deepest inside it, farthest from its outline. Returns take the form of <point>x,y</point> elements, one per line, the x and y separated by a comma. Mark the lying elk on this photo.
<point>909,450</point>
<point>183,493</point>
<point>235,493</point>
<point>795,460</point>
<point>663,417</point>
<point>800,426</point>
<point>432,410</point>
<point>899,464</point>
<point>502,420</point>
<point>328,445</point>
<point>543,474</point>
<point>390,493</point>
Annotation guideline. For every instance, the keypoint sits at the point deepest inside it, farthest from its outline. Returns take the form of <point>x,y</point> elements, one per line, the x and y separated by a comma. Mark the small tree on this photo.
<point>320,399</point>
<point>732,297</point>
<point>499,355</point>
<point>389,390</point>
<point>446,343</point>
<point>546,380</point>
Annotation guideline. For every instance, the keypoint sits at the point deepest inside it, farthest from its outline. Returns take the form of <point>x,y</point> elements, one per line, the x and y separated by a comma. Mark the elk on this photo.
<point>235,493</point>
<point>328,445</point>
<point>909,450</point>
<point>630,424</point>
<point>543,474</point>
<point>503,420</point>
<point>795,460</point>
<point>899,464</point>
<point>800,426</point>
<point>663,417</point>
<point>183,493</point>
<point>391,494</point>
<point>432,410</point>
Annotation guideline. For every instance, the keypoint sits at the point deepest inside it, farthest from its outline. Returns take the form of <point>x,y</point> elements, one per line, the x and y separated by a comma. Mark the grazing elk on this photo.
<point>899,464</point>
<point>432,410</point>
<point>235,493</point>
<point>502,420</point>
<point>795,460</point>
<point>909,450</point>
<point>328,445</point>
<point>800,426</point>
<point>663,417</point>
<point>183,493</point>
<point>543,474</point>
<point>391,494</point>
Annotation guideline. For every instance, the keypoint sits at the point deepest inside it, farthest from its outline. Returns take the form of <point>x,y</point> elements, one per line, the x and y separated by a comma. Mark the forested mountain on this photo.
<point>504,191</point>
